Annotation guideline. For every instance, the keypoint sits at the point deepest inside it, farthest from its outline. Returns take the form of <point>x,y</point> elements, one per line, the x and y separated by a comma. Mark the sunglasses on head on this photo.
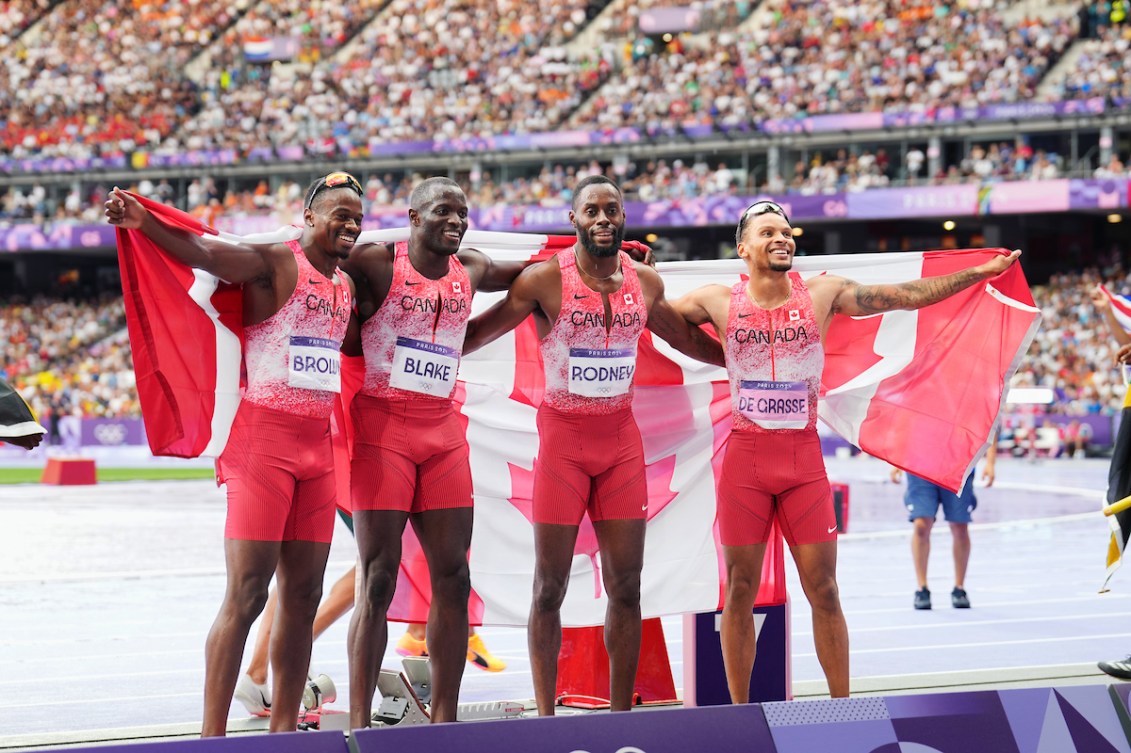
<point>334,180</point>
<point>763,207</point>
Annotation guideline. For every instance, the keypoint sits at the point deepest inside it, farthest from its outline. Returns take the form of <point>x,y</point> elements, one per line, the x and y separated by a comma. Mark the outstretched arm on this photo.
<point>854,299</point>
<point>521,302</point>
<point>230,262</point>
<point>1103,304</point>
<point>676,329</point>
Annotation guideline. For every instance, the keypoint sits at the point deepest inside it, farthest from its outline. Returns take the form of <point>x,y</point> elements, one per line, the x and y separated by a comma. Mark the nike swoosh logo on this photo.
<point>743,316</point>
<point>832,529</point>
<point>577,297</point>
<point>410,282</point>
<point>313,281</point>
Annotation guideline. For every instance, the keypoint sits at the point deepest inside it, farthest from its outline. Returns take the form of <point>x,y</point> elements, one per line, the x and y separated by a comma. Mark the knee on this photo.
<point>922,529</point>
<point>302,598</point>
<point>623,588</point>
<point>742,587</point>
<point>378,583</point>
<point>246,597</point>
<point>453,585</point>
<point>824,595</point>
<point>549,592</point>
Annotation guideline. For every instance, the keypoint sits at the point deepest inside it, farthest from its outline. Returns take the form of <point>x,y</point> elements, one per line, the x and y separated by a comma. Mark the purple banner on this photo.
<point>928,201</point>
<point>859,121</point>
<point>187,159</point>
<point>901,119</point>
<point>1097,193</point>
<point>62,164</point>
<point>1023,196</point>
<point>28,237</point>
<point>112,432</point>
<point>697,212</point>
<point>670,19</point>
<point>720,728</point>
<point>330,741</point>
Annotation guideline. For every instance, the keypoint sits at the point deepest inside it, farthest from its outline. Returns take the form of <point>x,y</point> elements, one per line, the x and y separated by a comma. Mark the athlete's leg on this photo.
<point>250,565</point>
<point>260,656</point>
<point>744,575</point>
<point>378,535</point>
<point>921,548</point>
<point>622,558</point>
<point>816,568</point>
<point>302,566</point>
<point>553,554</point>
<point>960,532</point>
<point>445,536</point>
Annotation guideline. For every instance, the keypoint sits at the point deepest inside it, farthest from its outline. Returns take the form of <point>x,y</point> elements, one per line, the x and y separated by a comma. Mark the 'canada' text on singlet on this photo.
<point>766,337</point>
<point>630,319</point>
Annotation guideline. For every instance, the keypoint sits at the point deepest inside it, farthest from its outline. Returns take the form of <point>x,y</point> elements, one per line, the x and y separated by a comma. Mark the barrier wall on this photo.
<point>1077,719</point>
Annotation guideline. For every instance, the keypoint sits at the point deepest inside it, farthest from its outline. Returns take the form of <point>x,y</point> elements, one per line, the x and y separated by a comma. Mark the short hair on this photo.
<point>592,180</point>
<point>327,183</point>
<point>427,190</point>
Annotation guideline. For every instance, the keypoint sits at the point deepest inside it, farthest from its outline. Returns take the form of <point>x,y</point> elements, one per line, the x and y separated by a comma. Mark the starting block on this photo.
<point>405,698</point>
<point>69,472</point>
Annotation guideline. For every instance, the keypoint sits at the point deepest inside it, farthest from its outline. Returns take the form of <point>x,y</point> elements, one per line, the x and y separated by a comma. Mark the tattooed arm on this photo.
<point>852,298</point>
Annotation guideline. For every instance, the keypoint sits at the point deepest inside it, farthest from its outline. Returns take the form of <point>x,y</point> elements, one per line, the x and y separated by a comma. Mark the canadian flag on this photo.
<point>920,389</point>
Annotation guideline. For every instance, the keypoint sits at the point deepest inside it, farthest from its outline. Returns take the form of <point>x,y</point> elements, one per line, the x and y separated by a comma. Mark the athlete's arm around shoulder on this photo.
<point>528,294</point>
<point>838,295</point>
<point>489,274</point>
<point>668,323</point>
<point>370,265</point>
<point>706,304</point>
<point>231,262</point>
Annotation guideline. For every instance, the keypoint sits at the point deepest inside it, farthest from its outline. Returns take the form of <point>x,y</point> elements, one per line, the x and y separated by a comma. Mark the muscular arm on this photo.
<point>854,299</point>
<point>683,335</point>
<point>231,262</point>
<point>522,300</point>
<point>370,265</point>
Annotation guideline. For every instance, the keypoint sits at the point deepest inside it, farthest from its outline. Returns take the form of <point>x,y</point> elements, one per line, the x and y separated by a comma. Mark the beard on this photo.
<point>781,266</point>
<point>602,252</point>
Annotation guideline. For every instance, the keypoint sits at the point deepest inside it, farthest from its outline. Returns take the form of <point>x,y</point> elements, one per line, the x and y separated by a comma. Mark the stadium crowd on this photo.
<point>69,357</point>
<point>80,77</point>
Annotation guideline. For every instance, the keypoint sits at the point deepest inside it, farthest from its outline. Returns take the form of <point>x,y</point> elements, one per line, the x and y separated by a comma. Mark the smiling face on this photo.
<point>767,243</point>
<point>439,223</point>
<point>598,215</point>
<point>334,219</point>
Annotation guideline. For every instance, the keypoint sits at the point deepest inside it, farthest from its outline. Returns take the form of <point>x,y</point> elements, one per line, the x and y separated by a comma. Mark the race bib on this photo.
<point>427,368</point>
<point>315,364</point>
<point>775,405</point>
<point>594,372</point>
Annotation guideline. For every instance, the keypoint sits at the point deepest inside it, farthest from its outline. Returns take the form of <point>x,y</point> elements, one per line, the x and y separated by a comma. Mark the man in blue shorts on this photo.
<point>923,500</point>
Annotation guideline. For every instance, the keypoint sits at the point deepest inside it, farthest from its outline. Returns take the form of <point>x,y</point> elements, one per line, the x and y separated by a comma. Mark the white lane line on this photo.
<point>132,575</point>
<point>919,648</point>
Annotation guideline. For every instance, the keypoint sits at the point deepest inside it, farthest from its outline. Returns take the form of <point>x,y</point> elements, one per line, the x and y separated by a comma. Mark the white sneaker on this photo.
<point>254,697</point>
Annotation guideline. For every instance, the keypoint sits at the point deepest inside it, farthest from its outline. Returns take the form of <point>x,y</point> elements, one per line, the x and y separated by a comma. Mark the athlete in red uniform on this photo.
<point>277,464</point>
<point>410,458</point>
<point>774,328</point>
<point>590,304</point>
